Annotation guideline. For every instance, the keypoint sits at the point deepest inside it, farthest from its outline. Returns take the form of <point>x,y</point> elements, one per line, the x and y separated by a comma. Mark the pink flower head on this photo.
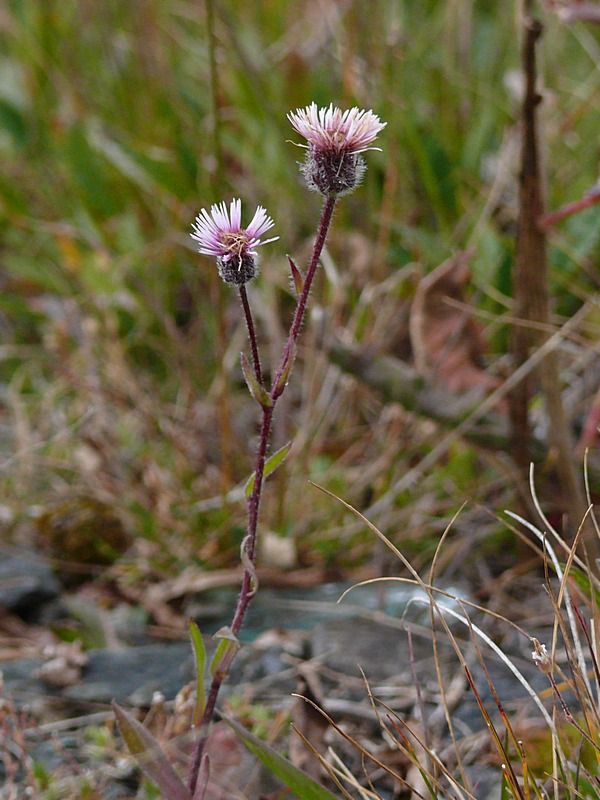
<point>332,129</point>
<point>220,234</point>
<point>336,138</point>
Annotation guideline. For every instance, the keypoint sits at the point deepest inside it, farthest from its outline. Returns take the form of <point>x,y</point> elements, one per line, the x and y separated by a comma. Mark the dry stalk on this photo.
<point>532,305</point>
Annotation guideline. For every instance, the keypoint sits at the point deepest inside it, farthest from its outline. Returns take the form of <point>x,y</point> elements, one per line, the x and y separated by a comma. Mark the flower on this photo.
<point>220,234</point>
<point>541,656</point>
<point>336,138</point>
<point>333,129</point>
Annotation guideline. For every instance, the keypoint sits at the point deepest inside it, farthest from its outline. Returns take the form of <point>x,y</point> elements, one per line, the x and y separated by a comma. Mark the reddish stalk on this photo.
<point>251,333</point>
<point>587,201</point>
<point>278,386</point>
<point>532,304</point>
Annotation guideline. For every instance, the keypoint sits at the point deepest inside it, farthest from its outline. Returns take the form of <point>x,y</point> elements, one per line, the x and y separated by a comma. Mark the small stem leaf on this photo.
<point>299,782</point>
<point>225,633</point>
<point>200,661</point>
<point>271,465</point>
<point>258,392</point>
<point>249,567</point>
<point>296,276</point>
<point>277,459</point>
<point>288,364</point>
<point>150,755</point>
<point>224,654</point>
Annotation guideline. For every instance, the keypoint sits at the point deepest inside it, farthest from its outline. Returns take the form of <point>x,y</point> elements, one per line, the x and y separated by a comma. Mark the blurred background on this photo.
<point>125,426</point>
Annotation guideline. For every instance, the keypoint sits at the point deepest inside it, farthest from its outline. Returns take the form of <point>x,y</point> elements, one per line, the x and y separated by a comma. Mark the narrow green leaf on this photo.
<point>299,782</point>
<point>200,661</point>
<point>289,362</point>
<point>13,121</point>
<point>89,171</point>
<point>43,275</point>
<point>14,197</point>
<point>258,392</point>
<point>584,583</point>
<point>224,654</point>
<point>150,755</point>
<point>163,173</point>
<point>271,465</point>
<point>296,276</point>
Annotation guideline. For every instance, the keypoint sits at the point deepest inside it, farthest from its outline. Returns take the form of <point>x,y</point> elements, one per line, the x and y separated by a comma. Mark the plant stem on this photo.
<point>324,224</point>
<point>590,199</point>
<point>248,582</point>
<point>532,304</point>
<point>530,278</point>
<point>251,334</point>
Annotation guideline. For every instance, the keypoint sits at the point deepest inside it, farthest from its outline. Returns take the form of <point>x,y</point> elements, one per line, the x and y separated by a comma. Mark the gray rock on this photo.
<point>26,580</point>
<point>19,677</point>
<point>129,676</point>
<point>132,675</point>
<point>349,645</point>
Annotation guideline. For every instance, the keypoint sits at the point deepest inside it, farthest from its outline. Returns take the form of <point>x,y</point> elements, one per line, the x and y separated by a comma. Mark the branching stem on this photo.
<point>278,386</point>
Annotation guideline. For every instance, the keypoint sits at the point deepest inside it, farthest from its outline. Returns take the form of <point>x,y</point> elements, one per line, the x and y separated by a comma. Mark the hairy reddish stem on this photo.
<point>248,581</point>
<point>251,334</point>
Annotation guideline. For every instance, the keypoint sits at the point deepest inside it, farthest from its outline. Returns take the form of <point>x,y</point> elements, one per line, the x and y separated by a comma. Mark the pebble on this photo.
<point>26,580</point>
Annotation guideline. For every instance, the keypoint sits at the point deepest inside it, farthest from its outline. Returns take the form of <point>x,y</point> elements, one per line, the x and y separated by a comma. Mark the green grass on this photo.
<point>118,359</point>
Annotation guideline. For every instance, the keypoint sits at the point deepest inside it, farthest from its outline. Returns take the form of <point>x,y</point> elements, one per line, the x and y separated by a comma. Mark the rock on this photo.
<point>132,675</point>
<point>19,677</point>
<point>26,580</point>
<point>349,645</point>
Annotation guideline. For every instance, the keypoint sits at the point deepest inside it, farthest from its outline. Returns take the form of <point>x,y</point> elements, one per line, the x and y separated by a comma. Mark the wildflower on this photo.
<point>541,656</point>
<point>336,138</point>
<point>220,234</point>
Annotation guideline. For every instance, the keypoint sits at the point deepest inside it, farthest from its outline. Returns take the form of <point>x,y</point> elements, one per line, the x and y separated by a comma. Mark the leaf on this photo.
<point>298,781</point>
<point>163,172</point>
<point>89,172</point>
<point>447,342</point>
<point>287,366</point>
<point>271,465</point>
<point>199,661</point>
<point>12,121</point>
<point>150,755</point>
<point>258,392</point>
<point>224,654</point>
<point>14,196</point>
<point>28,272</point>
<point>584,583</point>
<point>203,777</point>
<point>297,277</point>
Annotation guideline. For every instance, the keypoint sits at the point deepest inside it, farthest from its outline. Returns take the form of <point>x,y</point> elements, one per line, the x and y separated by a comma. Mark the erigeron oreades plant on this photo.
<point>333,166</point>
<point>220,234</point>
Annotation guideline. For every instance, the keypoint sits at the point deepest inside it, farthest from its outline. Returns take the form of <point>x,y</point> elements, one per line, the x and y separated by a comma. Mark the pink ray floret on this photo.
<point>333,129</point>
<point>220,233</point>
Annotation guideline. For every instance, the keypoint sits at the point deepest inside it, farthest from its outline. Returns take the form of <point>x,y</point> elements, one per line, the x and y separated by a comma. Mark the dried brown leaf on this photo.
<point>447,342</point>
